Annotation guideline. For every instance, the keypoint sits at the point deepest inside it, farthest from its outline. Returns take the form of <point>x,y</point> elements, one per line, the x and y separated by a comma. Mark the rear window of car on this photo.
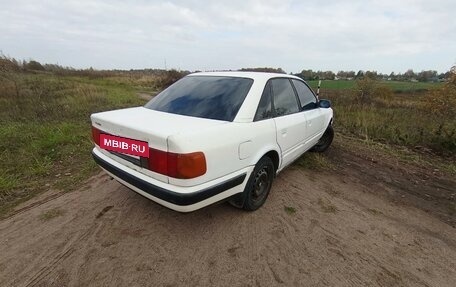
<point>210,97</point>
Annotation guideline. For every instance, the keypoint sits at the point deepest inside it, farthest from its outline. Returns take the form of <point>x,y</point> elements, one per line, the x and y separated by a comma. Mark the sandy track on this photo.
<point>342,234</point>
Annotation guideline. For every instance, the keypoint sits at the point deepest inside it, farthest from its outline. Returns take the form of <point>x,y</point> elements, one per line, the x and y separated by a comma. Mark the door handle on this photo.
<point>283,132</point>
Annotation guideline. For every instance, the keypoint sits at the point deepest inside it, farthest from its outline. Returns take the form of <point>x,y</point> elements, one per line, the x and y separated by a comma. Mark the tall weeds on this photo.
<point>423,120</point>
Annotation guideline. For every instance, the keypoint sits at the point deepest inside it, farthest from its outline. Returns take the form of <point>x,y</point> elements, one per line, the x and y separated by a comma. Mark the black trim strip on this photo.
<point>181,199</point>
<point>128,158</point>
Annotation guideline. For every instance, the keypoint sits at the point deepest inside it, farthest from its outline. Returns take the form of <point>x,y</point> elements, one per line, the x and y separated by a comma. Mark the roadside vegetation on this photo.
<point>45,130</point>
<point>45,135</point>
<point>422,119</point>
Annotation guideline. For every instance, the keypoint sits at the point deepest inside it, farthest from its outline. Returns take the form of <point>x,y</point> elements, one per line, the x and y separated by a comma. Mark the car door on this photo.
<point>315,119</point>
<point>290,122</point>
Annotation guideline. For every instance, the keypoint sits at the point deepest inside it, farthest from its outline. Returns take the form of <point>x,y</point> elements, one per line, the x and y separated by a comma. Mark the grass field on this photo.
<point>401,119</point>
<point>45,130</point>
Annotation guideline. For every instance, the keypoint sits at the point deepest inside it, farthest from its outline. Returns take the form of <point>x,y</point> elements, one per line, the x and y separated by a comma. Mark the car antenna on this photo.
<point>318,89</point>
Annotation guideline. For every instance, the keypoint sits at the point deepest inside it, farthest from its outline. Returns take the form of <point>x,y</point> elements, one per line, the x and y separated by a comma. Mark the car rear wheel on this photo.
<point>260,182</point>
<point>325,141</point>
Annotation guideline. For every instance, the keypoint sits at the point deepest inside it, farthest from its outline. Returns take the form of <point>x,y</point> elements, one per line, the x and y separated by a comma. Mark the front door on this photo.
<point>314,116</point>
<point>290,122</point>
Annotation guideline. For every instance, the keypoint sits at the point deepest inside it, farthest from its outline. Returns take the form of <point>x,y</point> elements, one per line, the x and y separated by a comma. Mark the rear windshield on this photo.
<point>209,97</point>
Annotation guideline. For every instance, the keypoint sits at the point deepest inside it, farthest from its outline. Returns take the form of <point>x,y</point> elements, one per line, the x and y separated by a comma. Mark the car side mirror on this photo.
<point>324,104</point>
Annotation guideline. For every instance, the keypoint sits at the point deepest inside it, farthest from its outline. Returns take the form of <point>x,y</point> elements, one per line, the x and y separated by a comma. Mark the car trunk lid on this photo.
<point>149,126</point>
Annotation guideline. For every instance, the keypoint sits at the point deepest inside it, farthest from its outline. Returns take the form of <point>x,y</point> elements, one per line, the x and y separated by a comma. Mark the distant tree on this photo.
<point>33,66</point>
<point>341,74</point>
<point>265,70</point>
<point>307,75</point>
<point>359,75</point>
<point>371,75</point>
<point>328,75</point>
<point>441,76</point>
<point>426,76</point>
<point>382,76</point>
<point>409,75</point>
<point>351,74</point>
<point>344,75</point>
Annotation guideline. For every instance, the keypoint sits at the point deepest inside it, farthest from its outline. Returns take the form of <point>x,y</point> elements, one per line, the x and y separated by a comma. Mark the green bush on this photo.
<point>34,66</point>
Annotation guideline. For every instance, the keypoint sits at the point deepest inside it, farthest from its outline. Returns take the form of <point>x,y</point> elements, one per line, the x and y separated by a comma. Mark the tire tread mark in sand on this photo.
<point>42,273</point>
<point>46,270</point>
<point>35,204</point>
<point>41,202</point>
<point>275,275</point>
<point>313,223</point>
<point>103,211</point>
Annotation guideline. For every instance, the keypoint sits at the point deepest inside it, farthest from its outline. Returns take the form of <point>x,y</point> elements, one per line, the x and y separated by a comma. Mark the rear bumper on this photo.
<point>179,199</point>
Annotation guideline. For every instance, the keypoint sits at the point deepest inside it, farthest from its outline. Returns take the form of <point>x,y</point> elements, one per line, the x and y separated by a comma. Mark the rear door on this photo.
<point>290,122</point>
<point>315,119</point>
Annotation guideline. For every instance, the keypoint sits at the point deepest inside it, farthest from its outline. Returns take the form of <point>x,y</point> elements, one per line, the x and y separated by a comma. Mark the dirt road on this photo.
<point>343,227</point>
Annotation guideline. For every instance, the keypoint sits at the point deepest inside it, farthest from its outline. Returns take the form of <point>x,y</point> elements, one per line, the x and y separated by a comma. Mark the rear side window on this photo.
<point>285,101</point>
<point>210,97</point>
<point>264,110</point>
<point>306,97</point>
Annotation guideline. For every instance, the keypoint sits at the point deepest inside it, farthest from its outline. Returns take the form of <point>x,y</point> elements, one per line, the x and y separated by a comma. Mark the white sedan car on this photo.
<point>211,137</point>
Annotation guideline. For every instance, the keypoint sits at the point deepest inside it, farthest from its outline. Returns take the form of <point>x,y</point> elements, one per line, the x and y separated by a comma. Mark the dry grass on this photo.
<point>314,161</point>
<point>51,213</point>
<point>326,206</point>
<point>401,120</point>
<point>290,210</point>
<point>45,130</point>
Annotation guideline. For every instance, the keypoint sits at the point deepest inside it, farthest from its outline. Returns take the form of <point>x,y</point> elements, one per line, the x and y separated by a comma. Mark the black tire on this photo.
<point>325,141</point>
<point>260,182</point>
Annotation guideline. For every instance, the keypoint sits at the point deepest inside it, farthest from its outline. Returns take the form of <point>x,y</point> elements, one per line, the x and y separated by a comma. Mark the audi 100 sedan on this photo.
<point>211,137</point>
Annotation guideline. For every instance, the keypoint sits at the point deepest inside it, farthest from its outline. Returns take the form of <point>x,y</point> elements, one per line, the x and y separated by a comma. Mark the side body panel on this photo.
<point>291,135</point>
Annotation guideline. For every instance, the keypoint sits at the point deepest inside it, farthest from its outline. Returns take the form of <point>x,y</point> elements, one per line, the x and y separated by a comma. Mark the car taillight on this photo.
<point>158,161</point>
<point>96,135</point>
<point>183,166</point>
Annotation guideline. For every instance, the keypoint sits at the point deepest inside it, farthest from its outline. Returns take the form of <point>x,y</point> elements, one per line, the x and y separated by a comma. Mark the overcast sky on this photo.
<point>386,35</point>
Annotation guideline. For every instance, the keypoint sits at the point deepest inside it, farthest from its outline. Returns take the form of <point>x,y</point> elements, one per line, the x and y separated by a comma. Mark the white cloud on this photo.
<point>378,35</point>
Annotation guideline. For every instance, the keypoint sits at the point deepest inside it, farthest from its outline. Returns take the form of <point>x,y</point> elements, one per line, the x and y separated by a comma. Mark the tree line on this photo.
<point>308,75</point>
<point>409,75</point>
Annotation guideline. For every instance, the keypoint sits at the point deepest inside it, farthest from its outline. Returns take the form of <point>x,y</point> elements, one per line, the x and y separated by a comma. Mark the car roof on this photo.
<point>242,74</point>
